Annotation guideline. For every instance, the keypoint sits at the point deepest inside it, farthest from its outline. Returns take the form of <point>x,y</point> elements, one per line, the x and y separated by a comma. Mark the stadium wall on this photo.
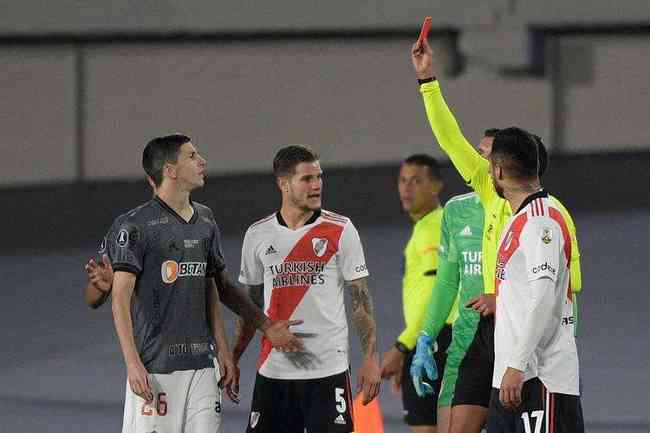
<point>73,16</point>
<point>81,111</point>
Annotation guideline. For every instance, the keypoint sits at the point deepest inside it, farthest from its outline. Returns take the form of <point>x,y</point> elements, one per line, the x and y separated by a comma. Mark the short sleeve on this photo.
<point>541,243</point>
<point>252,270</point>
<point>216,261</point>
<point>126,247</point>
<point>351,259</point>
<point>103,247</point>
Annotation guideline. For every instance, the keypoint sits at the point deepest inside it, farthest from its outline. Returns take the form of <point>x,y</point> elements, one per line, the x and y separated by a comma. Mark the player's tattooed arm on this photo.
<point>236,300</point>
<point>369,377</point>
<point>363,315</point>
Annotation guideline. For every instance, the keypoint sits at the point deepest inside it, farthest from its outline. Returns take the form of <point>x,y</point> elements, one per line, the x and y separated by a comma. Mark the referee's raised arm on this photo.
<point>445,128</point>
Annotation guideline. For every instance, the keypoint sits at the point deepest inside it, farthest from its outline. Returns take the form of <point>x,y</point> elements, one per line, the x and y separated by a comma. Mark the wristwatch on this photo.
<point>426,80</point>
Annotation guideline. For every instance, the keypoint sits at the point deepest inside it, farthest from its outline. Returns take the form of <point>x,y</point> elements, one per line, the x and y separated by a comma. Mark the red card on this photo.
<point>426,26</point>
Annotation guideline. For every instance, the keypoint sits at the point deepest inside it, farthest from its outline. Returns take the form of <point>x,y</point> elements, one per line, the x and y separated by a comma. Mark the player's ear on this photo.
<point>499,171</point>
<point>169,170</point>
<point>282,183</point>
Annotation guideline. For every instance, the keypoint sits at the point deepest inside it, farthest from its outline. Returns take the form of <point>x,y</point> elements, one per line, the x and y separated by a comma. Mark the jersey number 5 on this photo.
<point>341,405</point>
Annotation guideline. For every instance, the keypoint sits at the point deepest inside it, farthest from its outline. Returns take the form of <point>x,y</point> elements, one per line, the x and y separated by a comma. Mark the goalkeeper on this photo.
<point>459,275</point>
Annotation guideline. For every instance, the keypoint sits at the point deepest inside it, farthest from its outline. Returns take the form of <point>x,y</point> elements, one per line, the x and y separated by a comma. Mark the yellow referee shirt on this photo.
<point>476,171</point>
<point>420,267</point>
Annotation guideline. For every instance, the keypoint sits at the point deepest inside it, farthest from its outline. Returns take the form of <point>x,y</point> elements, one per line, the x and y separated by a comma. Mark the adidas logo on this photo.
<point>339,420</point>
<point>270,250</point>
<point>466,231</point>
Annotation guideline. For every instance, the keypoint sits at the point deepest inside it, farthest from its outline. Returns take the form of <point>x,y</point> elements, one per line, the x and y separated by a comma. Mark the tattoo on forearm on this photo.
<point>363,315</point>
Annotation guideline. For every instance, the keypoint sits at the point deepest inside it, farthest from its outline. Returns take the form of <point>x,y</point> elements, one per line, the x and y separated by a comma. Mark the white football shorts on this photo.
<point>187,401</point>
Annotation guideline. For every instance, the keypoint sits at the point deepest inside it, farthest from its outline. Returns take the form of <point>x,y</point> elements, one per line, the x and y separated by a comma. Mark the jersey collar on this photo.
<point>429,216</point>
<point>539,194</point>
<point>175,214</point>
<point>311,220</point>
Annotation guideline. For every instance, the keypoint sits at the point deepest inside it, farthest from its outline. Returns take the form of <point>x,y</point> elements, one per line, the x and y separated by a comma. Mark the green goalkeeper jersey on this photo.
<point>459,269</point>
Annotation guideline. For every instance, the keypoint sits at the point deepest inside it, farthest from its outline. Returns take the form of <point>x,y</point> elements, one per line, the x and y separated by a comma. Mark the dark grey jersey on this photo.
<point>172,259</point>
<point>109,239</point>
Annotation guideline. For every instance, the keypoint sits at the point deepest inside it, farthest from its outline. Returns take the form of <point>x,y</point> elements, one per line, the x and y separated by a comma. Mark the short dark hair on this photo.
<point>517,151</point>
<point>287,158</point>
<point>491,132</point>
<point>160,151</point>
<point>542,155</point>
<point>425,160</point>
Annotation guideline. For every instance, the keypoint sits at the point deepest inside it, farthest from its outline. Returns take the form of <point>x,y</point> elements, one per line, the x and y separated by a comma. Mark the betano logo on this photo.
<point>172,270</point>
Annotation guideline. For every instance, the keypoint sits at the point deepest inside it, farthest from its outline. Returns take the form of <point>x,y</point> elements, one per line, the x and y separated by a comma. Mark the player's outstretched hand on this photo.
<point>424,363</point>
<point>139,380</point>
<point>485,304</point>
<point>369,378</point>
<point>422,59</point>
<point>227,370</point>
<point>100,275</point>
<point>232,390</point>
<point>510,391</point>
<point>281,338</point>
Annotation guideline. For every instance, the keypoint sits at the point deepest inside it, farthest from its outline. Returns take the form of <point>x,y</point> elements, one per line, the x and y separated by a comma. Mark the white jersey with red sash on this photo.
<point>534,329</point>
<point>303,272</point>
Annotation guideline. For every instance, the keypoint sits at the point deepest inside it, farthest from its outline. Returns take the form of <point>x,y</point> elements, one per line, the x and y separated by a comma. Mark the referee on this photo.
<point>419,188</point>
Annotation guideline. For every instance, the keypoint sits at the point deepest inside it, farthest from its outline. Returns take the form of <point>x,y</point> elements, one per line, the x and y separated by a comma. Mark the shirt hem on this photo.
<point>303,376</point>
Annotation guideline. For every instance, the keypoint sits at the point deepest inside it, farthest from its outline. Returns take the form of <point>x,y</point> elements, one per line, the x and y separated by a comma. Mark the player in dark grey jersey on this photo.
<point>168,275</point>
<point>171,258</point>
<point>100,272</point>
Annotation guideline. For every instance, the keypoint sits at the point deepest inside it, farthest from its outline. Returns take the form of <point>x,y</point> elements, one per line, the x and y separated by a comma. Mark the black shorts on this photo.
<point>423,410</point>
<point>321,405</point>
<point>474,382</point>
<point>562,412</point>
